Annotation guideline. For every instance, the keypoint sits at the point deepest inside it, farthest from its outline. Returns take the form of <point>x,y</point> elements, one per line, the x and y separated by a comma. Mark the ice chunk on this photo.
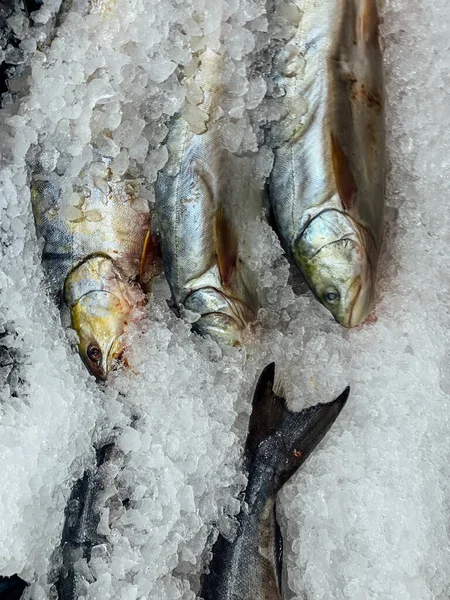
<point>129,132</point>
<point>196,118</point>
<point>256,92</point>
<point>160,69</point>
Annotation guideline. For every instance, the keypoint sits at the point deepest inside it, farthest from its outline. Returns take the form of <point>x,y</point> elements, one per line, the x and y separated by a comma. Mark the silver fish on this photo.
<point>97,248</point>
<point>328,182</point>
<point>278,443</point>
<point>197,199</point>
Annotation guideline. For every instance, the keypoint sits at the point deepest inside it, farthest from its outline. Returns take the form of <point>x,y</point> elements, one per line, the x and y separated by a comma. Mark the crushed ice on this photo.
<point>368,516</point>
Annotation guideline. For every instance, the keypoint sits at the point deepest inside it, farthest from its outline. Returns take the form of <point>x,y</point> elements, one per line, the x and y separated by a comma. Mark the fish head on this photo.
<point>100,304</point>
<point>99,318</point>
<point>337,258</point>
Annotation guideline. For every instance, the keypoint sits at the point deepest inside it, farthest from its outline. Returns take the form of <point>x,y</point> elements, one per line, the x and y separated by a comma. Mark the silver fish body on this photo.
<point>197,198</point>
<point>279,441</point>
<point>328,182</point>
<point>95,239</point>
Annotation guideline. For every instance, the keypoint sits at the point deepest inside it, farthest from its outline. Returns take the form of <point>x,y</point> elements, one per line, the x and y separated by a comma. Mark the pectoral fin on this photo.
<point>226,243</point>
<point>367,22</point>
<point>151,262</point>
<point>343,175</point>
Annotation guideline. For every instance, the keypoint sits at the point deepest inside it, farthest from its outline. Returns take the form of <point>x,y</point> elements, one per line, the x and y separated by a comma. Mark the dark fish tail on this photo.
<point>278,443</point>
<point>282,437</point>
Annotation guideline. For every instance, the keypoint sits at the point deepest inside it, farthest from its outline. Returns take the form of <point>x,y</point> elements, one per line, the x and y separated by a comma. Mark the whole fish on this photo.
<point>278,443</point>
<point>97,249</point>
<point>328,182</point>
<point>197,202</point>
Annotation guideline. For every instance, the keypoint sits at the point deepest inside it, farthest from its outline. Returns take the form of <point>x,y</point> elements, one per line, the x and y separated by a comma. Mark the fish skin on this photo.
<point>197,197</point>
<point>12,588</point>
<point>278,443</point>
<point>82,518</point>
<point>327,186</point>
<point>92,256</point>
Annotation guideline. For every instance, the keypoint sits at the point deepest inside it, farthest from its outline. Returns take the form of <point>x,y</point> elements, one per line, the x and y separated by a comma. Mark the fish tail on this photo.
<point>11,588</point>
<point>294,434</point>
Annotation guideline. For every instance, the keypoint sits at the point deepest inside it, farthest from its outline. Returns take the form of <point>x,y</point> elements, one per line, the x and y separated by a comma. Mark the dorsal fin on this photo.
<point>268,410</point>
<point>226,244</point>
<point>343,175</point>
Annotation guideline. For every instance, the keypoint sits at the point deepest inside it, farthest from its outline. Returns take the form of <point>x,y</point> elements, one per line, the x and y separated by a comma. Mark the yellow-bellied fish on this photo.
<point>197,199</point>
<point>97,246</point>
<point>328,182</point>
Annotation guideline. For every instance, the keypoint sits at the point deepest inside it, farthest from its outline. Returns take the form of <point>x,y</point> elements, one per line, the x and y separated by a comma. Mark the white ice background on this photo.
<point>368,515</point>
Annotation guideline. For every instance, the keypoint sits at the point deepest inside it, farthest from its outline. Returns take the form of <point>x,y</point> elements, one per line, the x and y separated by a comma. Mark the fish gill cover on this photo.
<point>368,517</point>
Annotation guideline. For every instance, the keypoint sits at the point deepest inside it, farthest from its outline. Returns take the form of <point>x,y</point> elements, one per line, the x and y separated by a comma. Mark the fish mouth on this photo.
<point>109,363</point>
<point>99,318</point>
<point>345,262</point>
<point>358,296</point>
<point>96,371</point>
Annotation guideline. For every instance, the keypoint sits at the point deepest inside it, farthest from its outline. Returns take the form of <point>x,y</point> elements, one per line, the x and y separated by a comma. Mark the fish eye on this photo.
<point>331,297</point>
<point>94,353</point>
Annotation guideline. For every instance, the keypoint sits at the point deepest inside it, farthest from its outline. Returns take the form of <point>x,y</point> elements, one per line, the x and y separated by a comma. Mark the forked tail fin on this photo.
<point>282,437</point>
